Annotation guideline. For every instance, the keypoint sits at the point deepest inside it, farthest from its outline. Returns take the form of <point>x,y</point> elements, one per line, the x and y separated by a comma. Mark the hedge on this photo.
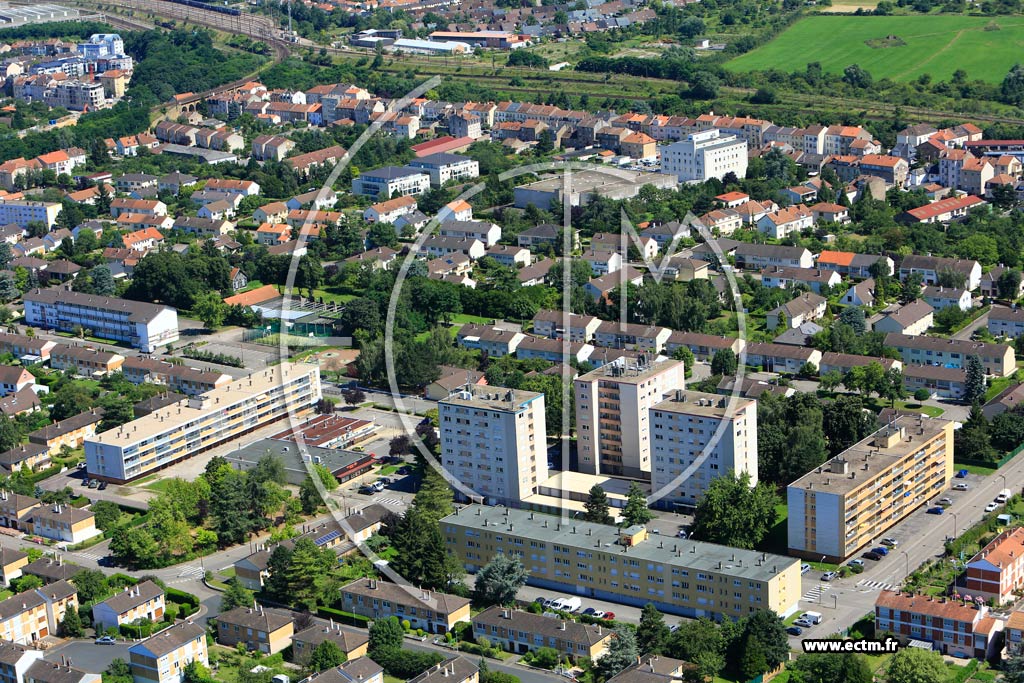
<point>343,617</point>
<point>189,601</point>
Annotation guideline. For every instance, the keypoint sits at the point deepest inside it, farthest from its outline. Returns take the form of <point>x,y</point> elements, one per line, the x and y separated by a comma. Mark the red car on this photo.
<point>608,616</point>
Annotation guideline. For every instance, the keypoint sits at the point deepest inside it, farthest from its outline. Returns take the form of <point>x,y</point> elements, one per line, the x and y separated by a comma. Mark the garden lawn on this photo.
<point>934,45</point>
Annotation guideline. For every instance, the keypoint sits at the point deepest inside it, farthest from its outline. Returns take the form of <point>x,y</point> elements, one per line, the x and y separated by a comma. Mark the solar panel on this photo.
<point>327,538</point>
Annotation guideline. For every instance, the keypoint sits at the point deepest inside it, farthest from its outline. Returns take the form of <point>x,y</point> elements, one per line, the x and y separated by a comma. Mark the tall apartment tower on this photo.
<point>612,421</point>
<point>686,424</point>
<point>494,441</point>
<point>705,155</point>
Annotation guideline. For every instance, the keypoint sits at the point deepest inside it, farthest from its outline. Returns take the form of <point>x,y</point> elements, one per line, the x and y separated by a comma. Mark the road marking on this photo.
<point>390,502</point>
<point>814,595</point>
<point>877,584</point>
<point>91,556</point>
<point>191,571</point>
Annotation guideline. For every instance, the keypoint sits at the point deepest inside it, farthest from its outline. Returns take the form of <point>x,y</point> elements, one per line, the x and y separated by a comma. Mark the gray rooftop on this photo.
<point>695,555</point>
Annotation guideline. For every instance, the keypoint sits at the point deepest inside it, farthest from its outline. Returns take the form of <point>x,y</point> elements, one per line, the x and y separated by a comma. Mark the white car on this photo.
<point>991,507</point>
<point>828,576</point>
<point>804,568</point>
<point>857,563</point>
<point>960,486</point>
<point>891,542</point>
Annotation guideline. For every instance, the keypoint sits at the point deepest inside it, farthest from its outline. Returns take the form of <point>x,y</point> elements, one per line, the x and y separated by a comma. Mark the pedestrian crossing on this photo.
<point>92,556</point>
<point>390,502</point>
<point>814,595</point>
<point>191,571</point>
<point>866,583</point>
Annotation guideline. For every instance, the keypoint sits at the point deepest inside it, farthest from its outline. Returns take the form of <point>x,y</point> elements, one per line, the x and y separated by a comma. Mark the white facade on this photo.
<point>443,167</point>
<point>704,155</point>
<point>391,181</point>
<point>494,441</point>
<point>145,326</point>
<point>683,426</point>
<point>21,212</point>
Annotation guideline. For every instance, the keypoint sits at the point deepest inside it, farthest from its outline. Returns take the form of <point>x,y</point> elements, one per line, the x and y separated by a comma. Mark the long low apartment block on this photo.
<point>198,423</point>
<point>689,578</point>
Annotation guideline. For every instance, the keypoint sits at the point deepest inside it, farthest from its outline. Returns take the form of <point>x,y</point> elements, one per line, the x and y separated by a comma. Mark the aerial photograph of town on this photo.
<point>512,341</point>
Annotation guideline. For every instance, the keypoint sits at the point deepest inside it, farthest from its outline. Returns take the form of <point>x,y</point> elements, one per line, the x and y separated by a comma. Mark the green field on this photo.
<point>935,45</point>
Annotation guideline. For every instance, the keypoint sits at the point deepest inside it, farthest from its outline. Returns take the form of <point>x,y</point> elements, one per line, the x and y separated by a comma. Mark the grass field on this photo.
<point>935,45</point>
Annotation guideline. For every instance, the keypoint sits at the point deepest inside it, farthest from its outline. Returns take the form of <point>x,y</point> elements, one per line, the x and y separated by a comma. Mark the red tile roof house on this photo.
<point>998,568</point>
<point>954,625</point>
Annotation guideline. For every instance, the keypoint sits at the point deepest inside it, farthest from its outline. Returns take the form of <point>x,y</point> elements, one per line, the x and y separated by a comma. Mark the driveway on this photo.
<point>88,656</point>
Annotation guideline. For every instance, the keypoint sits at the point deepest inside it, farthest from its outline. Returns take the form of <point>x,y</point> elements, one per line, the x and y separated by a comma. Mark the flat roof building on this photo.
<point>198,423</point>
<point>842,506</point>
<point>625,565</point>
<point>494,440</point>
<point>612,422</point>
<point>691,423</point>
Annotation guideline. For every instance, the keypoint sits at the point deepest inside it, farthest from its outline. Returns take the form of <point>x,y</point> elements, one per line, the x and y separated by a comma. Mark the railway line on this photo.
<point>264,29</point>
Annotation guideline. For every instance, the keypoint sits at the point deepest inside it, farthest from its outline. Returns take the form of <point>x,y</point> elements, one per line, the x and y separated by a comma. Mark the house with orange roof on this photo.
<point>975,174</point>
<point>139,221</point>
<point>389,211</point>
<point>274,212</point>
<point>730,200</point>
<point>270,234</point>
<point>997,570</point>
<point>958,625</point>
<point>143,240</point>
<point>246,188</point>
<point>13,169</point>
<point>785,222</point>
<point>1000,180</point>
<point>58,161</point>
<point>639,146</point>
<point>456,210</point>
<point>849,264</point>
<point>151,207</point>
<point>90,194</point>
<point>298,217</point>
<point>826,212</point>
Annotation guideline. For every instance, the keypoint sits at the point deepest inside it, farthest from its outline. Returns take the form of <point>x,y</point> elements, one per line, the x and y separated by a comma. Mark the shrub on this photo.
<point>922,395</point>
<point>406,624</point>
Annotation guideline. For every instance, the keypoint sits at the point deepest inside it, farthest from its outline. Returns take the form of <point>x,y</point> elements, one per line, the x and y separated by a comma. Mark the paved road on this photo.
<point>86,655</point>
<point>922,537</point>
<point>982,320</point>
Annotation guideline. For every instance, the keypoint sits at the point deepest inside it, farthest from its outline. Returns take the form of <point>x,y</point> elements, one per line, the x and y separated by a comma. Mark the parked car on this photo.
<point>937,510</point>
<point>828,576</point>
<point>857,562</point>
<point>94,483</point>
<point>890,541</point>
<point>872,555</point>
<point>881,550</point>
<point>804,568</point>
<point>102,486</point>
<point>794,630</point>
<point>802,623</point>
<point>945,502</point>
<point>404,470</point>
<point>598,614</point>
<point>960,486</point>
<point>608,616</point>
<point>681,533</point>
<point>86,481</point>
<point>962,474</point>
<point>589,612</point>
<point>991,507</point>
<point>106,640</point>
<point>367,490</point>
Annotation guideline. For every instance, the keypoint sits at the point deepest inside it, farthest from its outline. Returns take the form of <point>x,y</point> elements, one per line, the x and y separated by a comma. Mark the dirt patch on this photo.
<point>888,41</point>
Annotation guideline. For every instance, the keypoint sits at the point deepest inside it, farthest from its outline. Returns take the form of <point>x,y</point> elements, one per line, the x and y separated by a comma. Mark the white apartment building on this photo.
<point>391,181</point>
<point>683,426</point>
<point>145,326</point>
<point>494,441</point>
<point>704,155</point>
<point>443,167</point>
<point>612,420</point>
<point>195,424</point>
<point>21,212</point>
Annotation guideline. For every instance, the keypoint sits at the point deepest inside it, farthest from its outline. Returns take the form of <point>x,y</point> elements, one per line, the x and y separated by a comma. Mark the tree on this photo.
<point>421,556</point>
<point>26,583</point>
<point>702,642</point>
<point>1008,284</point>
<point>499,580</point>
<point>309,496</point>
<point>911,288</point>
<point>622,651</point>
<point>118,671</point>
<point>91,585</point>
<point>857,77</point>
<point>71,624</point>
<point>636,510</point>
<point>236,595</point>
<point>195,672</point>
<point>768,630</point>
<point>893,387</point>
<point>854,317</point>
<point>353,396</point>
<point>1011,90</point>
<point>386,636</point>
<point>597,506</point>
<point>752,661</point>
<point>684,354</point>
<point>1013,665</point>
<point>732,512</point>
<point>8,288</point>
<point>830,380</point>
<point>210,309</point>
<point>326,655</point>
<point>723,362</point>
<point>974,384</point>
<point>914,665</point>
<point>652,634</point>
<point>831,668</point>
<point>845,422</point>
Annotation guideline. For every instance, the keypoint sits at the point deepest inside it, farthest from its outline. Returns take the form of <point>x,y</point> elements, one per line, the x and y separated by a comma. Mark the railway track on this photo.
<point>263,28</point>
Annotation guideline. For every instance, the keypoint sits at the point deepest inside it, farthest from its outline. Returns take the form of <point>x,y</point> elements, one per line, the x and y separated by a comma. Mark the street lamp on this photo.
<point>954,524</point>
<point>1003,477</point>
<point>835,601</point>
<point>906,556</point>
